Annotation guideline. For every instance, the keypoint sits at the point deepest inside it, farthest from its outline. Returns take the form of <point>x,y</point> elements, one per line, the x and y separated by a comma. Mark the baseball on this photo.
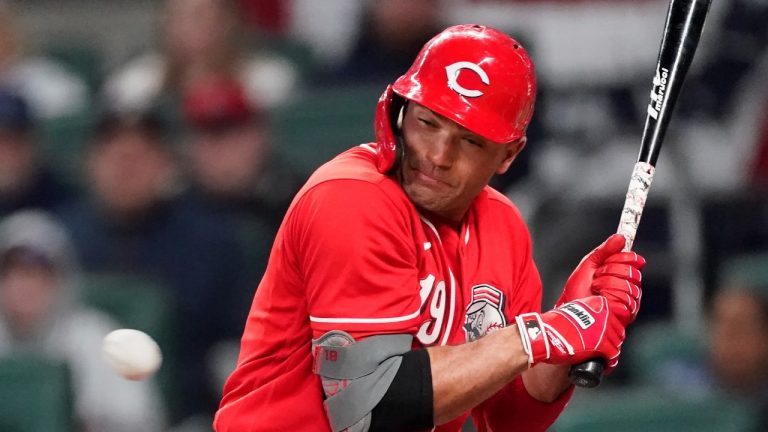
<point>131,353</point>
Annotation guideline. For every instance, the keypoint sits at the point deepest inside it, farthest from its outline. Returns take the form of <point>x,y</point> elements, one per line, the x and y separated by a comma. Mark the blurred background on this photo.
<point>149,148</point>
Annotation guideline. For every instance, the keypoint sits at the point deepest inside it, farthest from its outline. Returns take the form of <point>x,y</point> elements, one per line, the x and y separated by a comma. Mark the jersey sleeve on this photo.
<point>357,258</point>
<point>513,409</point>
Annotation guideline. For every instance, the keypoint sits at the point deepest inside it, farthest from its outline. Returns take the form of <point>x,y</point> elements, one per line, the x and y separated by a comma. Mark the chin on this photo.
<point>420,197</point>
<point>428,203</point>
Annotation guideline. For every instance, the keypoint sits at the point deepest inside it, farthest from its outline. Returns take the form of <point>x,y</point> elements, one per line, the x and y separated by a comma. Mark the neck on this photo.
<point>437,219</point>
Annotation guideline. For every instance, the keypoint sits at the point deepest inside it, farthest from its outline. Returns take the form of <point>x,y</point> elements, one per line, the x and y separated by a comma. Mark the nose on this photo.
<point>441,151</point>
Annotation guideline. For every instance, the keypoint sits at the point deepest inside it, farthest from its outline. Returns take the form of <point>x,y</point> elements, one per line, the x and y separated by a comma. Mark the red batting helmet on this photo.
<point>477,76</point>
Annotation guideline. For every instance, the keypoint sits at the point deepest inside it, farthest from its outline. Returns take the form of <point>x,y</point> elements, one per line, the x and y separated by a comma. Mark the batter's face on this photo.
<point>445,166</point>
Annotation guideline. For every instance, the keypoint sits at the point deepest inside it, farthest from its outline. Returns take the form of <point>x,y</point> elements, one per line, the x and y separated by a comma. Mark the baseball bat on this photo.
<point>685,21</point>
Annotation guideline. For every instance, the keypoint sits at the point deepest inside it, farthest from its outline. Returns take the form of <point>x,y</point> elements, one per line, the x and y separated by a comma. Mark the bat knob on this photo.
<point>587,374</point>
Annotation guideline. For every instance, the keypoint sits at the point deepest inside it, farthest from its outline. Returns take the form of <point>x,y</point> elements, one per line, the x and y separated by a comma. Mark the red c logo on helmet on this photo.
<point>453,75</point>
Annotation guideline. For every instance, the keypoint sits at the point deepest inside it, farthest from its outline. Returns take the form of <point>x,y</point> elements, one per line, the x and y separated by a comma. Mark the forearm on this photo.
<point>546,382</point>
<point>465,375</point>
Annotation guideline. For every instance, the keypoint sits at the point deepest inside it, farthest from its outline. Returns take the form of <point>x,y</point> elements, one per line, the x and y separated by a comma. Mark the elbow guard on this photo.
<point>374,376</point>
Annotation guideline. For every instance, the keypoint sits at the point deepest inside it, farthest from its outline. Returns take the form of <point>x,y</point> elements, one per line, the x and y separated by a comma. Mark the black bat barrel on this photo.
<point>685,21</point>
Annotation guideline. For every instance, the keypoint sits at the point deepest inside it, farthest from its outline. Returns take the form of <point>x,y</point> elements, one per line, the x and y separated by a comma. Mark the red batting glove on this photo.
<point>573,333</point>
<point>609,272</point>
<point>619,280</point>
<point>579,284</point>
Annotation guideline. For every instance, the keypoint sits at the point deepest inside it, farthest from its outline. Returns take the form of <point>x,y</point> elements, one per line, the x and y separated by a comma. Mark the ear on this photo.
<point>513,149</point>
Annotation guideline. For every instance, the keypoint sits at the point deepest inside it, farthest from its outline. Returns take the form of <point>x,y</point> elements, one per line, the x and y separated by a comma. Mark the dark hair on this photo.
<point>15,113</point>
<point>152,124</point>
<point>26,256</point>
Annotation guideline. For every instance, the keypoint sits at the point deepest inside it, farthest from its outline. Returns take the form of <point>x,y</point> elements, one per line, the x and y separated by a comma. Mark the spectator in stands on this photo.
<point>269,16</point>
<point>52,91</point>
<point>232,156</point>
<point>235,169</point>
<point>200,39</point>
<point>25,179</point>
<point>135,222</point>
<point>40,313</point>
<point>391,34</point>
<point>739,334</point>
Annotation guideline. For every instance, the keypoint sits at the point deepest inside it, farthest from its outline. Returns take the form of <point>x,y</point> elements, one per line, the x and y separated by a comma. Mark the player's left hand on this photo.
<point>575,332</point>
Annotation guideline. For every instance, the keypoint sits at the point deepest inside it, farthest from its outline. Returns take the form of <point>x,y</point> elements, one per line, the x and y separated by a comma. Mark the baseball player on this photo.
<point>401,294</point>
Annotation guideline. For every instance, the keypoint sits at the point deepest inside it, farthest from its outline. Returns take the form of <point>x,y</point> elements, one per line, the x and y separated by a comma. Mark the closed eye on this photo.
<point>473,142</point>
<point>427,122</point>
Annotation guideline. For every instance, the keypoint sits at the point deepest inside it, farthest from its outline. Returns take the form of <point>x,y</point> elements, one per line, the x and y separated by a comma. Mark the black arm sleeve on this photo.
<point>407,404</point>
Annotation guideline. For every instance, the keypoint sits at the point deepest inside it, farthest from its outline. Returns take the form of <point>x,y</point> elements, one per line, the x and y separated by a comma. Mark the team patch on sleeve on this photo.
<point>485,312</point>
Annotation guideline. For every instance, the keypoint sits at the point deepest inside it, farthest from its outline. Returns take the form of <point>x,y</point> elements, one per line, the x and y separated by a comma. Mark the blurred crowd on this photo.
<point>169,170</point>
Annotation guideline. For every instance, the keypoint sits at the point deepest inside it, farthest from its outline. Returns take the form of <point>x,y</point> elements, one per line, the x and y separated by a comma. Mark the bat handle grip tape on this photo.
<point>634,202</point>
<point>590,373</point>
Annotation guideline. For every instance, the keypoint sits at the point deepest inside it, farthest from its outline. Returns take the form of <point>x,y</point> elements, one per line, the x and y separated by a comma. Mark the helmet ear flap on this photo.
<point>399,147</point>
<point>388,123</point>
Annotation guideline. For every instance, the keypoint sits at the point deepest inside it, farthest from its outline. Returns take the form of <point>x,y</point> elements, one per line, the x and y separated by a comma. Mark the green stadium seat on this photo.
<point>662,354</point>
<point>63,138</point>
<point>63,141</point>
<point>81,58</point>
<point>298,53</point>
<point>35,395</point>
<point>324,122</point>
<point>750,269</point>
<point>135,301</point>
<point>651,410</point>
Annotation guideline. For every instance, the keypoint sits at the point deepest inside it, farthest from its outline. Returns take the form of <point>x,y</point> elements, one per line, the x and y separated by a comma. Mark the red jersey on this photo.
<point>354,254</point>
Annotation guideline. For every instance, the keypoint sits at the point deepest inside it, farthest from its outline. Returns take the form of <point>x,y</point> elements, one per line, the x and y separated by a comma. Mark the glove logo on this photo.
<point>579,314</point>
<point>455,69</point>
<point>533,332</point>
<point>485,313</point>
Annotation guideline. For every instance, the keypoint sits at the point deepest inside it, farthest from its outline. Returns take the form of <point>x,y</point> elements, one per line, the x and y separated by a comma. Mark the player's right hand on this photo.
<point>618,279</point>
<point>610,272</point>
<point>575,332</point>
<point>579,283</point>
